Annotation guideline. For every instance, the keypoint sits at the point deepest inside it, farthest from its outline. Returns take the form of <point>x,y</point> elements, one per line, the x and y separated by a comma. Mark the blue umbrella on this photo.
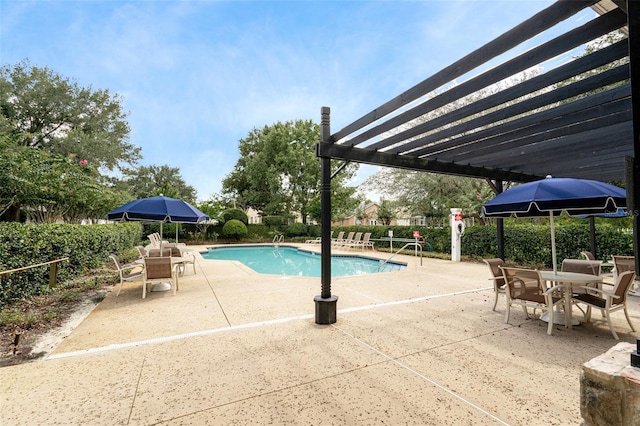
<point>159,209</point>
<point>552,196</point>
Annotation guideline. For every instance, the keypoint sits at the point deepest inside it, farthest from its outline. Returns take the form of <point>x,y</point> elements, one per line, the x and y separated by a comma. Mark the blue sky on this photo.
<point>198,76</point>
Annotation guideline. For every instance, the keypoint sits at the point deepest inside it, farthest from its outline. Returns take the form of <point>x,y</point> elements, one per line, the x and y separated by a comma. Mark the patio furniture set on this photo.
<point>160,262</point>
<point>579,282</point>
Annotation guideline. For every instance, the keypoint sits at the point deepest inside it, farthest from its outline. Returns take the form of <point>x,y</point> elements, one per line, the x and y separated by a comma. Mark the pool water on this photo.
<point>285,260</point>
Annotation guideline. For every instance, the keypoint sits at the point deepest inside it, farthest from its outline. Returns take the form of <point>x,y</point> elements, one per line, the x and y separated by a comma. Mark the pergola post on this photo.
<point>633,23</point>
<point>500,224</point>
<point>326,303</point>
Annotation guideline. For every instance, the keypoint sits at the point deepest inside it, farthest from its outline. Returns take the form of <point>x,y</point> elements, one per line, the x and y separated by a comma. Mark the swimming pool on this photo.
<point>291,261</point>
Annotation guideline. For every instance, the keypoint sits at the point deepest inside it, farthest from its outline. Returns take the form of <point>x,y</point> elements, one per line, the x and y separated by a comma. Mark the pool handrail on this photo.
<point>278,239</point>
<point>417,245</point>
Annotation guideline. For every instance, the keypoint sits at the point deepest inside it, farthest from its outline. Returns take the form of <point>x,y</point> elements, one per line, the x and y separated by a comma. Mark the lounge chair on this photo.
<point>366,242</point>
<point>608,300</point>
<point>497,277</point>
<point>355,241</point>
<point>339,240</point>
<point>317,240</point>
<point>527,288</point>
<point>346,240</point>
<point>124,273</point>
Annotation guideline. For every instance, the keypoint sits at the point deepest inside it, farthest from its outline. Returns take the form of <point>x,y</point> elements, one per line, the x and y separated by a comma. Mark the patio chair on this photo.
<point>623,264</point>
<point>142,252</point>
<point>588,255</point>
<point>155,252</point>
<point>527,288</point>
<point>188,258</point>
<point>123,272</point>
<point>609,300</point>
<point>159,269</point>
<point>497,277</point>
<point>591,267</point>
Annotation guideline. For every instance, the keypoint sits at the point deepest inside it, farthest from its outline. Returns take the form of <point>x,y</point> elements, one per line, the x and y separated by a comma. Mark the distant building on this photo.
<point>367,216</point>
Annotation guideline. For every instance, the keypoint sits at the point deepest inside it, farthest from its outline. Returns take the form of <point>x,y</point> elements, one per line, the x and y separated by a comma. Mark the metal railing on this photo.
<point>416,245</point>
<point>277,240</point>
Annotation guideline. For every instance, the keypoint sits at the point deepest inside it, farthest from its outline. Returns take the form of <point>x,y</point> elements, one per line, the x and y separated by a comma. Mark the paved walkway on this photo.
<point>416,347</point>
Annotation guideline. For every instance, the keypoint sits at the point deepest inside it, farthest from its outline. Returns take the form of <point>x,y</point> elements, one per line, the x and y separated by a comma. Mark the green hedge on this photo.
<point>525,243</point>
<point>86,246</point>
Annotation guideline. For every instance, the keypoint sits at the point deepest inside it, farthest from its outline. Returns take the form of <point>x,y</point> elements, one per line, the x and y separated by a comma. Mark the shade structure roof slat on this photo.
<point>490,137</point>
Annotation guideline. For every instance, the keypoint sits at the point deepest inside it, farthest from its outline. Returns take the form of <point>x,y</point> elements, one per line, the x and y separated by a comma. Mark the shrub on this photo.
<point>296,230</point>
<point>274,220</point>
<point>86,246</point>
<point>234,229</point>
<point>235,214</point>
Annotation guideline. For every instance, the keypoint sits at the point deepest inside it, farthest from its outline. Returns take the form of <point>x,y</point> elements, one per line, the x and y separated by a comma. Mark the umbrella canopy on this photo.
<point>552,196</point>
<point>159,209</point>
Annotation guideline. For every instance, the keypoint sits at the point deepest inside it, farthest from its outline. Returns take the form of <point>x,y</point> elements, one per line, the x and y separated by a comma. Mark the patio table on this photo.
<point>567,280</point>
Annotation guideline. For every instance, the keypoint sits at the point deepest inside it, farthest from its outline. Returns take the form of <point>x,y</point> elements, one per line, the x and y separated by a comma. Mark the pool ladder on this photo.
<point>277,240</point>
<point>417,245</point>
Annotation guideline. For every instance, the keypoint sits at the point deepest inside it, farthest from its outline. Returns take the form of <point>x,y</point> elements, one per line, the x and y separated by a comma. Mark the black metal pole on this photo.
<point>592,235</point>
<point>633,24</point>
<point>326,303</point>
<point>633,20</point>
<point>500,225</point>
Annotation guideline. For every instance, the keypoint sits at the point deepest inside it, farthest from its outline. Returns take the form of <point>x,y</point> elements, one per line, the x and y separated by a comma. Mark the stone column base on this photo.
<point>610,389</point>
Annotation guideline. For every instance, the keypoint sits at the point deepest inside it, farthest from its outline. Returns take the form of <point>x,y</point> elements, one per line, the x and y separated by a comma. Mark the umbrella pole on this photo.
<point>553,244</point>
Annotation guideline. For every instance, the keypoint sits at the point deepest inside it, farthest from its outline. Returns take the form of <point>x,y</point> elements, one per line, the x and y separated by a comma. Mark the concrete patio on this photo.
<point>418,347</point>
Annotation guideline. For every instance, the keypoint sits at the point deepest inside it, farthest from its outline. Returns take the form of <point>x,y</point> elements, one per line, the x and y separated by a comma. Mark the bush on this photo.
<point>275,220</point>
<point>234,229</point>
<point>86,246</point>
<point>296,230</point>
<point>235,214</point>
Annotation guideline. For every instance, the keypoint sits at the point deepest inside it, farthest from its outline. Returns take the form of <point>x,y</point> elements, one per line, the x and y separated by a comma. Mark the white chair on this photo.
<point>608,300</point>
<point>123,272</point>
<point>527,288</point>
<point>497,277</point>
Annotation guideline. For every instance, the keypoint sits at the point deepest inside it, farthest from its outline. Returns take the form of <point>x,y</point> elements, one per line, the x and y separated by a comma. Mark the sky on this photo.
<point>197,76</point>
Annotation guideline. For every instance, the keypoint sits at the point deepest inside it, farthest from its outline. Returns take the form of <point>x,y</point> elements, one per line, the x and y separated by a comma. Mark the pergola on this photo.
<point>577,119</point>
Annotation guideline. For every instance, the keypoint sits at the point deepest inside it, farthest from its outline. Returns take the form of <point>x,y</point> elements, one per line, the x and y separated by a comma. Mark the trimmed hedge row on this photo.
<point>527,244</point>
<point>86,246</point>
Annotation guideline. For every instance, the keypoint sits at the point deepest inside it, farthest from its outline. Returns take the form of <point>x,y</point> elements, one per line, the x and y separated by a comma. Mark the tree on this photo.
<point>430,194</point>
<point>40,109</point>
<point>48,187</point>
<point>149,181</point>
<point>278,172</point>
<point>386,212</point>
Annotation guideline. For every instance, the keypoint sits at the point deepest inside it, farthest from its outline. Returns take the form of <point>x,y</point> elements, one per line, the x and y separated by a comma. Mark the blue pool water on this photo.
<point>291,261</point>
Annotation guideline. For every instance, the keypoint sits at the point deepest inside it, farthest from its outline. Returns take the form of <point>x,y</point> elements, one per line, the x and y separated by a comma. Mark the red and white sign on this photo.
<point>416,234</point>
<point>457,216</point>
